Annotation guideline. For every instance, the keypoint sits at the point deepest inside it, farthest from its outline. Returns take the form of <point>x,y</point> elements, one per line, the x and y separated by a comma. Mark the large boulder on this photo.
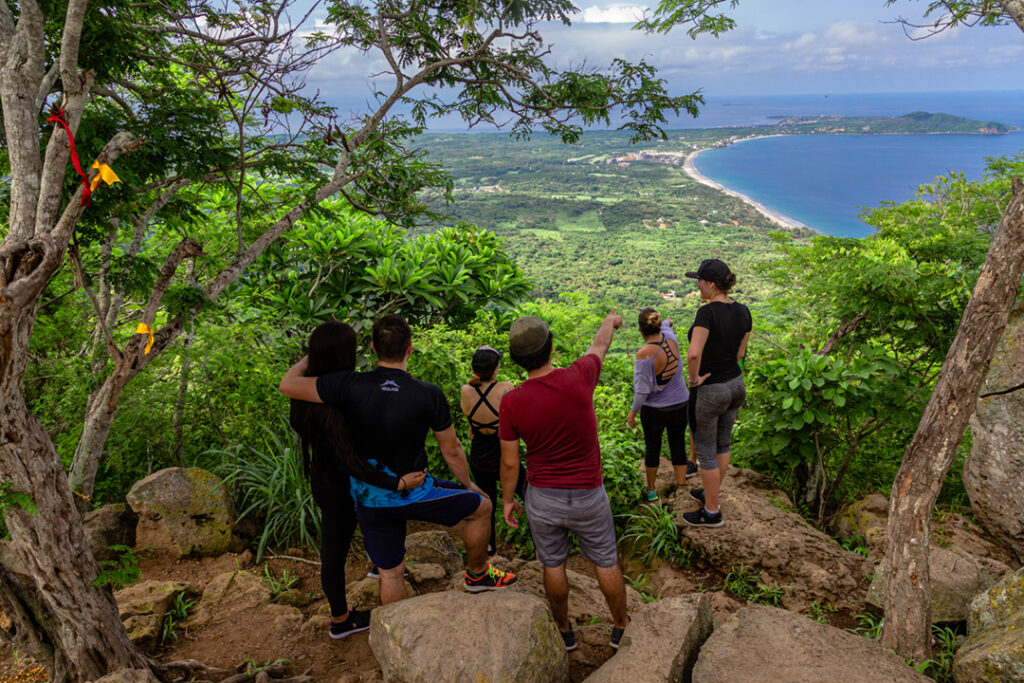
<point>661,642</point>
<point>770,644</point>
<point>143,606</point>
<point>586,601</point>
<point>229,594</point>
<point>955,578</point>
<point>455,636</point>
<point>777,544</point>
<point>994,471</point>
<point>184,510</point>
<point>994,648</point>
<point>433,548</point>
<point>110,525</point>
<point>868,519</point>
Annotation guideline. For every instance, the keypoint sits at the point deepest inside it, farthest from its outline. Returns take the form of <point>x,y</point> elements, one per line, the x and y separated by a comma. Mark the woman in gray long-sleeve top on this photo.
<point>660,396</point>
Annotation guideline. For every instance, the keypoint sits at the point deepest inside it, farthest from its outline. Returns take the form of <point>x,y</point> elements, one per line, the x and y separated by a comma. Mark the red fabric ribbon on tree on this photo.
<point>59,118</point>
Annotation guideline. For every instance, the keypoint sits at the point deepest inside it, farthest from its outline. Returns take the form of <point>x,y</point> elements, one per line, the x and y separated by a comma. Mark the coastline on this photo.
<point>774,216</point>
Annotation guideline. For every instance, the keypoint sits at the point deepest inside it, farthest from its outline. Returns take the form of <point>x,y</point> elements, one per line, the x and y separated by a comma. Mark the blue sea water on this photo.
<point>824,181</point>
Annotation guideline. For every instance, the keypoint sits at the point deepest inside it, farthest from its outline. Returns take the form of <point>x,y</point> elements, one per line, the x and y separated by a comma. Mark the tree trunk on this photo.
<point>179,403</point>
<point>57,614</point>
<point>100,410</point>
<point>931,452</point>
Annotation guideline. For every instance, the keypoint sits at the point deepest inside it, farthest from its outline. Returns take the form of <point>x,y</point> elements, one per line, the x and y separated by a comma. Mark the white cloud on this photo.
<point>615,14</point>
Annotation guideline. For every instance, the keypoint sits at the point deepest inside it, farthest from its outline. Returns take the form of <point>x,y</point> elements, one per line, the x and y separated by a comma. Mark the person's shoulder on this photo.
<point>504,387</point>
<point>646,351</point>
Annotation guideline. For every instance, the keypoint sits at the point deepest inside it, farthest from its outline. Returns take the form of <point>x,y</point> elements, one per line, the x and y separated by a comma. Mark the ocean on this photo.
<point>825,181</point>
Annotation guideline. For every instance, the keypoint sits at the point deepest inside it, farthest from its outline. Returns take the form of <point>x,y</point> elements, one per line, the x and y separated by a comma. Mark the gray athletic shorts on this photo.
<point>554,512</point>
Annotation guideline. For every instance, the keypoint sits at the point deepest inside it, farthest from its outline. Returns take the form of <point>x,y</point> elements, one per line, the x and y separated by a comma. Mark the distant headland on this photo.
<point>914,123</point>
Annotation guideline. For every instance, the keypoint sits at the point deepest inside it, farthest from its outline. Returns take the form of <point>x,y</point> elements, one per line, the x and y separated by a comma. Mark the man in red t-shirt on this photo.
<point>553,413</point>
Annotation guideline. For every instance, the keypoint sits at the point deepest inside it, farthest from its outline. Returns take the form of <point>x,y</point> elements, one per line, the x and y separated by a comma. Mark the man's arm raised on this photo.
<point>603,338</point>
<point>295,384</point>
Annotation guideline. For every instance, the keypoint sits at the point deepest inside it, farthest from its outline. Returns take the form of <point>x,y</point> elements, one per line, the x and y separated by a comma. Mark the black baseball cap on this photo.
<point>711,270</point>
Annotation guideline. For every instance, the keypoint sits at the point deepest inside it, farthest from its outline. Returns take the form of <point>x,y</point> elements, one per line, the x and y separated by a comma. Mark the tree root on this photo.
<point>187,669</point>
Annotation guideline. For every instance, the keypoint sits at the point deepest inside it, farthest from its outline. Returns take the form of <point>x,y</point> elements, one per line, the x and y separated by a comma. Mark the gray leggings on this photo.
<point>715,411</point>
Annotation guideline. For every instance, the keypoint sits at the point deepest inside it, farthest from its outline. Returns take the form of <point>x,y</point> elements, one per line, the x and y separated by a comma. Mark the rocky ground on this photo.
<point>244,612</point>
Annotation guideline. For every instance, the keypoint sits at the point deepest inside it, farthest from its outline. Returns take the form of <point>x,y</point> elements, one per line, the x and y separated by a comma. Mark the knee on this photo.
<point>484,509</point>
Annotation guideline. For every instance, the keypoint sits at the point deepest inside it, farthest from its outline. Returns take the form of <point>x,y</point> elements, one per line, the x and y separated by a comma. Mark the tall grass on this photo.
<point>270,487</point>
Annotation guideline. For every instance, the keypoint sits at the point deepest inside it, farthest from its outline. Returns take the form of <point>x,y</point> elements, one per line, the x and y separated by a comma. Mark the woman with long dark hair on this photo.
<point>480,400</point>
<point>660,397</point>
<point>328,460</point>
<point>718,342</point>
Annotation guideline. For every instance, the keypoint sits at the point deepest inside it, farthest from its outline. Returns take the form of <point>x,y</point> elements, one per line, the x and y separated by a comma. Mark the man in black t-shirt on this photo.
<point>389,413</point>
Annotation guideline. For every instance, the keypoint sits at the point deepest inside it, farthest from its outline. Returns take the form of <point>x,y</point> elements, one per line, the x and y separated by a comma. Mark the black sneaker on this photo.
<point>691,470</point>
<point>617,635</point>
<point>569,638</point>
<point>697,494</point>
<point>702,517</point>
<point>357,621</point>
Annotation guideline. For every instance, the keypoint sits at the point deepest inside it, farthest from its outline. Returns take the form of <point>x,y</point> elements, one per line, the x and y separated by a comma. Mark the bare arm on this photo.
<point>604,336</point>
<point>295,384</point>
<point>509,480</point>
<point>693,355</point>
<point>743,348</point>
<point>451,451</point>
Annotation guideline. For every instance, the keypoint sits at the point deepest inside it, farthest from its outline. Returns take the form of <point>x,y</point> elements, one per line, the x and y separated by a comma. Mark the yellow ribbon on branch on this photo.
<point>106,175</point>
<point>143,328</point>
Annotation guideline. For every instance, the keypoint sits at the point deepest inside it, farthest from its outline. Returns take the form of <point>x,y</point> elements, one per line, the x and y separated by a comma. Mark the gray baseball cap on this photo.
<point>527,335</point>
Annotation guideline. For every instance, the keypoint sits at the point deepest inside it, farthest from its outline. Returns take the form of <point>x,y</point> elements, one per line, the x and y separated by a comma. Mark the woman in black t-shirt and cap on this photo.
<point>718,342</point>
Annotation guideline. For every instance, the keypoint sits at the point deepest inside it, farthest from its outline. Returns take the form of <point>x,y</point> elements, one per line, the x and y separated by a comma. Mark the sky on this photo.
<point>779,47</point>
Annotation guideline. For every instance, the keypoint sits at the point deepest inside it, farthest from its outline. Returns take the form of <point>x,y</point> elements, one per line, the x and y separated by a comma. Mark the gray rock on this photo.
<point>183,510</point>
<point>228,594</point>
<point>994,648</point>
<point>110,525</point>
<point>586,600</point>
<point>761,643</point>
<point>142,608</point>
<point>433,547</point>
<point>994,472</point>
<point>867,518</point>
<point>955,577</point>
<point>453,636</point>
<point>661,642</point>
<point>776,544</point>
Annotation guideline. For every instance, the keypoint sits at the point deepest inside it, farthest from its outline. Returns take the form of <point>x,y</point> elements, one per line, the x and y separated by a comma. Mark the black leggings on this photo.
<point>657,420</point>
<point>488,480</point>
<point>338,523</point>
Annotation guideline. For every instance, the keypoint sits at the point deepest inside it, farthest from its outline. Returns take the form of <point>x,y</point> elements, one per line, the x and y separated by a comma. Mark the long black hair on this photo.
<point>327,455</point>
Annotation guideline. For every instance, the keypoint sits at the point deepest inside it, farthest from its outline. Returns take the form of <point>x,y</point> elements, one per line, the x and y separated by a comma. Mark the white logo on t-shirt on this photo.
<point>389,385</point>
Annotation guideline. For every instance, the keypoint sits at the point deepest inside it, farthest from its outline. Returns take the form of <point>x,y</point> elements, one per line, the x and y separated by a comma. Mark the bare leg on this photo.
<point>614,588</point>
<point>713,482</point>
<point>475,535</point>
<point>556,585</point>
<point>392,584</point>
<point>680,473</point>
<point>693,450</point>
<point>652,477</point>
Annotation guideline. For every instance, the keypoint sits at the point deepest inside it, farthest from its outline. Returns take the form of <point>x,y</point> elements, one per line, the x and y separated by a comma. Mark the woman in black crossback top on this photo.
<point>718,342</point>
<point>480,399</point>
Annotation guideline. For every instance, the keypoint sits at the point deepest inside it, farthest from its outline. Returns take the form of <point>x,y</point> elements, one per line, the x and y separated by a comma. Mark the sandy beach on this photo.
<point>774,216</point>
